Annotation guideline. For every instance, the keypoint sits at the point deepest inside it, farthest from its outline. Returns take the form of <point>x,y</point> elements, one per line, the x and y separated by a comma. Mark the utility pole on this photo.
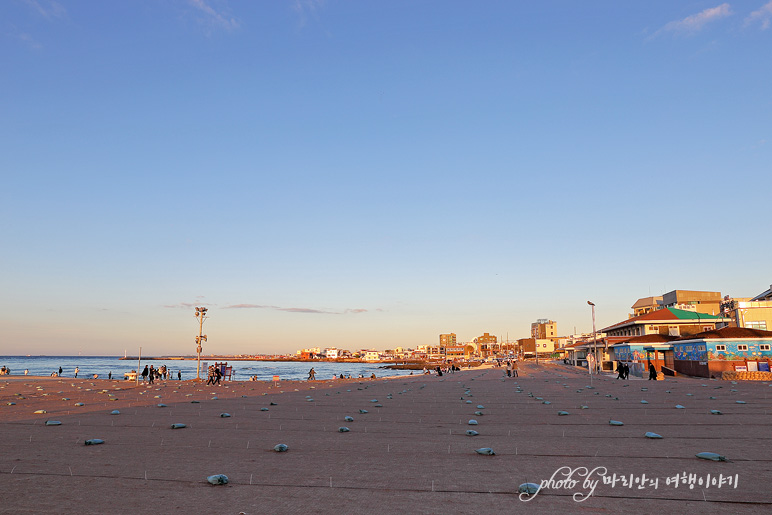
<point>594,334</point>
<point>201,316</point>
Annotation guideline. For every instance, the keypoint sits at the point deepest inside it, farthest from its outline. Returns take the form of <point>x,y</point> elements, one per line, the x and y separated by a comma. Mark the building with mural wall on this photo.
<point>730,349</point>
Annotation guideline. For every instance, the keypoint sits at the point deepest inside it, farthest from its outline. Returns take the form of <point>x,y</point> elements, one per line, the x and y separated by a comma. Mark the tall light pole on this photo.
<point>201,316</point>
<point>594,334</point>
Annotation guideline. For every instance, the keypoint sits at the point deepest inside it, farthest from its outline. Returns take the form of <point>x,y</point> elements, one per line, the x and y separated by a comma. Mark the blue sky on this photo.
<point>372,174</point>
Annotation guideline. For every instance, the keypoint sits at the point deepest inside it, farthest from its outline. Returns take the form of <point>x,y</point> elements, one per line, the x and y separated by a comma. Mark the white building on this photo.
<point>331,353</point>
<point>372,355</point>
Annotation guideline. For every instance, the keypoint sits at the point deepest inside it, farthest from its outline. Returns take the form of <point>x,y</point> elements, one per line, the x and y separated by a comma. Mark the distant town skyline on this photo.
<point>372,174</point>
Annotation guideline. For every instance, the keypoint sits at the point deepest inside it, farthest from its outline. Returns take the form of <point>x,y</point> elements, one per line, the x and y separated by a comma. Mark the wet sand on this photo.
<point>411,454</point>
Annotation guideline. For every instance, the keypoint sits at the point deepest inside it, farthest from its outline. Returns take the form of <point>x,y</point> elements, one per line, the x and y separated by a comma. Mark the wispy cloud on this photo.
<point>306,8</point>
<point>186,305</point>
<point>29,41</point>
<point>215,18</point>
<point>694,23</point>
<point>48,9</point>
<point>763,16</point>
<point>296,310</point>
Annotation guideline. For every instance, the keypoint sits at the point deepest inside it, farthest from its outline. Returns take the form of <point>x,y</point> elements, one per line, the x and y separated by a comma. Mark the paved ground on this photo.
<point>411,454</point>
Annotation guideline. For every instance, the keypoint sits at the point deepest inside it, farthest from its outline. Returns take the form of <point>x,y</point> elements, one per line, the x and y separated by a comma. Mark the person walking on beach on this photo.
<point>514,368</point>
<point>311,374</point>
<point>509,369</point>
<point>179,375</point>
<point>76,372</point>
<point>60,371</point>
<point>217,375</point>
<point>144,374</point>
<point>652,372</point>
<point>151,374</point>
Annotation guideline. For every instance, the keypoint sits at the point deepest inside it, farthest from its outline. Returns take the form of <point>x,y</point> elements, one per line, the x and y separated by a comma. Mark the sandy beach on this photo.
<point>408,453</point>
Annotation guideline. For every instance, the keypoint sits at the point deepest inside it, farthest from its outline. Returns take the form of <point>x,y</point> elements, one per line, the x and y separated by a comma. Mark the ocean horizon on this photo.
<point>45,365</point>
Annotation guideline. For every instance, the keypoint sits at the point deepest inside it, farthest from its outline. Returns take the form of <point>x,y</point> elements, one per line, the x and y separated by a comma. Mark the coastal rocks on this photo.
<point>348,418</point>
<point>615,423</point>
<point>363,411</point>
<point>678,406</point>
<point>162,405</point>
<point>263,409</point>
<point>115,412</point>
<point>343,429</point>
<point>225,415</point>
<point>282,447</point>
<point>471,432</point>
<point>562,413</point>
<point>94,441</point>
<point>53,423</point>
<point>179,426</point>
<point>485,451</point>
<point>218,479</point>
<point>715,412</point>
<point>472,422</point>
<point>649,434</point>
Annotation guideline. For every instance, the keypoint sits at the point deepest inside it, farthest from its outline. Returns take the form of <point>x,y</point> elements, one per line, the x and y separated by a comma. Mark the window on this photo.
<point>742,347</point>
<point>720,348</point>
<point>764,346</point>
<point>761,324</point>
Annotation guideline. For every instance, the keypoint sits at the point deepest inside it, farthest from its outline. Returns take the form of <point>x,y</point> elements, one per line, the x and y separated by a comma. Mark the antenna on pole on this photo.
<point>201,316</point>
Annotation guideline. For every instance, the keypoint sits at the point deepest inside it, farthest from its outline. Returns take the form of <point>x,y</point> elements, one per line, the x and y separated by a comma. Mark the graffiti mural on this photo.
<point>630,353</point>
<point>690,351</point>
<point>731,350</point>
<point>723,350</point>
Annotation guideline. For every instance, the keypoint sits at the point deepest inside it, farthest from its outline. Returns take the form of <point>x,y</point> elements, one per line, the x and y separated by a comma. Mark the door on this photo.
<point>753,366</point>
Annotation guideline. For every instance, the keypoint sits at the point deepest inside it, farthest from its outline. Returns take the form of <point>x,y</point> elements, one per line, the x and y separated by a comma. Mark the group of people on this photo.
<point>449,369</point>
<point>214,375</point>
<point>312,375</point>
<point>152,373</point>
<point>512,368</point>
<point>623,370</point>
<point>5,371</point>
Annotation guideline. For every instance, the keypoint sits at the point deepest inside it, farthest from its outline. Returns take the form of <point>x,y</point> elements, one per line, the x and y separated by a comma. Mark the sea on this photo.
<point>244,370</point>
